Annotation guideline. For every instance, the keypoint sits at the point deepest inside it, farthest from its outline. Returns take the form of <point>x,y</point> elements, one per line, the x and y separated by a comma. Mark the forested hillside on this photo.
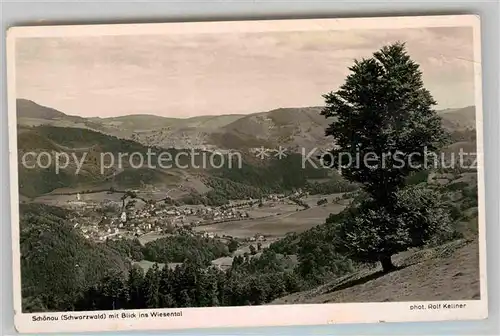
<point>57,262</point>
<point>254,178</point>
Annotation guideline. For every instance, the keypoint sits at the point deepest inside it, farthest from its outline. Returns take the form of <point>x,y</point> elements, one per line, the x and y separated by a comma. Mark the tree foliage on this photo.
<point>127,248</point>
<point>385,127</point>
<point>383,109</point>
<point>57,262</point>
<point>370,233</point>
<point>250,281</point>
<point>182,247</point>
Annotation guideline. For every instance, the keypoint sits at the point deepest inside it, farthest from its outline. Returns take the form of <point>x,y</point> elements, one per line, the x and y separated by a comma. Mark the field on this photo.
<point>62,200</point>
<point>285,219</point>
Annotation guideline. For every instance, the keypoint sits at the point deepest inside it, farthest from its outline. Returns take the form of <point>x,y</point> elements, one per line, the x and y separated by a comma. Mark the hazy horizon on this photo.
<point>183,76</point>
<point>211,115</point>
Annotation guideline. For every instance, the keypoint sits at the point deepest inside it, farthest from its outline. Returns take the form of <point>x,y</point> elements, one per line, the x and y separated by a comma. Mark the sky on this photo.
<point>226,73</point>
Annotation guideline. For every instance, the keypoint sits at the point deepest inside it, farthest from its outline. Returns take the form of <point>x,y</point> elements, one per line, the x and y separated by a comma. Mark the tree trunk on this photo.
<point>387,265</point>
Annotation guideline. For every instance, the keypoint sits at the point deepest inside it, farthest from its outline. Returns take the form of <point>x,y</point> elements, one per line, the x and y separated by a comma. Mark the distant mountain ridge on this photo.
<point>288,127</point>
<point>30,113</point>
<point>29,109</point>
<point>44,129</point>
<point>459,118</point>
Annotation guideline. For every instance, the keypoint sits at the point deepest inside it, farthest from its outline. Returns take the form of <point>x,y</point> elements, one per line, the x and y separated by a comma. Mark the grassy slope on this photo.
<point>448,272</point>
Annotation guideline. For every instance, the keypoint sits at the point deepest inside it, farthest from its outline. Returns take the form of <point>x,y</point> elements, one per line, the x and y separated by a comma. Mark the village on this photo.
<point>100,220</point>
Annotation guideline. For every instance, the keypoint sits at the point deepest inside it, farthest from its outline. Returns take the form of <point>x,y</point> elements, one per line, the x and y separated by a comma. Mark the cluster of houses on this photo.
<point>219,215</point>
<point>136,218</point>
<point>100,221</point>
<point>96,232</point>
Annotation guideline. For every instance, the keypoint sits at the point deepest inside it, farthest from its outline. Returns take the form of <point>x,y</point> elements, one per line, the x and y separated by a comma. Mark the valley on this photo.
<point>105,215</point>
<point>270,221</point>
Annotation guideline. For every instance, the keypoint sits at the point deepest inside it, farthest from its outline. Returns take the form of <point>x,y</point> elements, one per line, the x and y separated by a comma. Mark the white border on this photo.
<point>270,315</point>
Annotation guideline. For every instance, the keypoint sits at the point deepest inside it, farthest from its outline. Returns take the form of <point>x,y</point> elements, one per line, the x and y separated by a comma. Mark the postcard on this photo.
<point>246,173</point>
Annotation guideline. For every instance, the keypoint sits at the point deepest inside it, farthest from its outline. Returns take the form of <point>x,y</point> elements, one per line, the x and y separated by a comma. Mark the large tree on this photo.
<point>385,128</point>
